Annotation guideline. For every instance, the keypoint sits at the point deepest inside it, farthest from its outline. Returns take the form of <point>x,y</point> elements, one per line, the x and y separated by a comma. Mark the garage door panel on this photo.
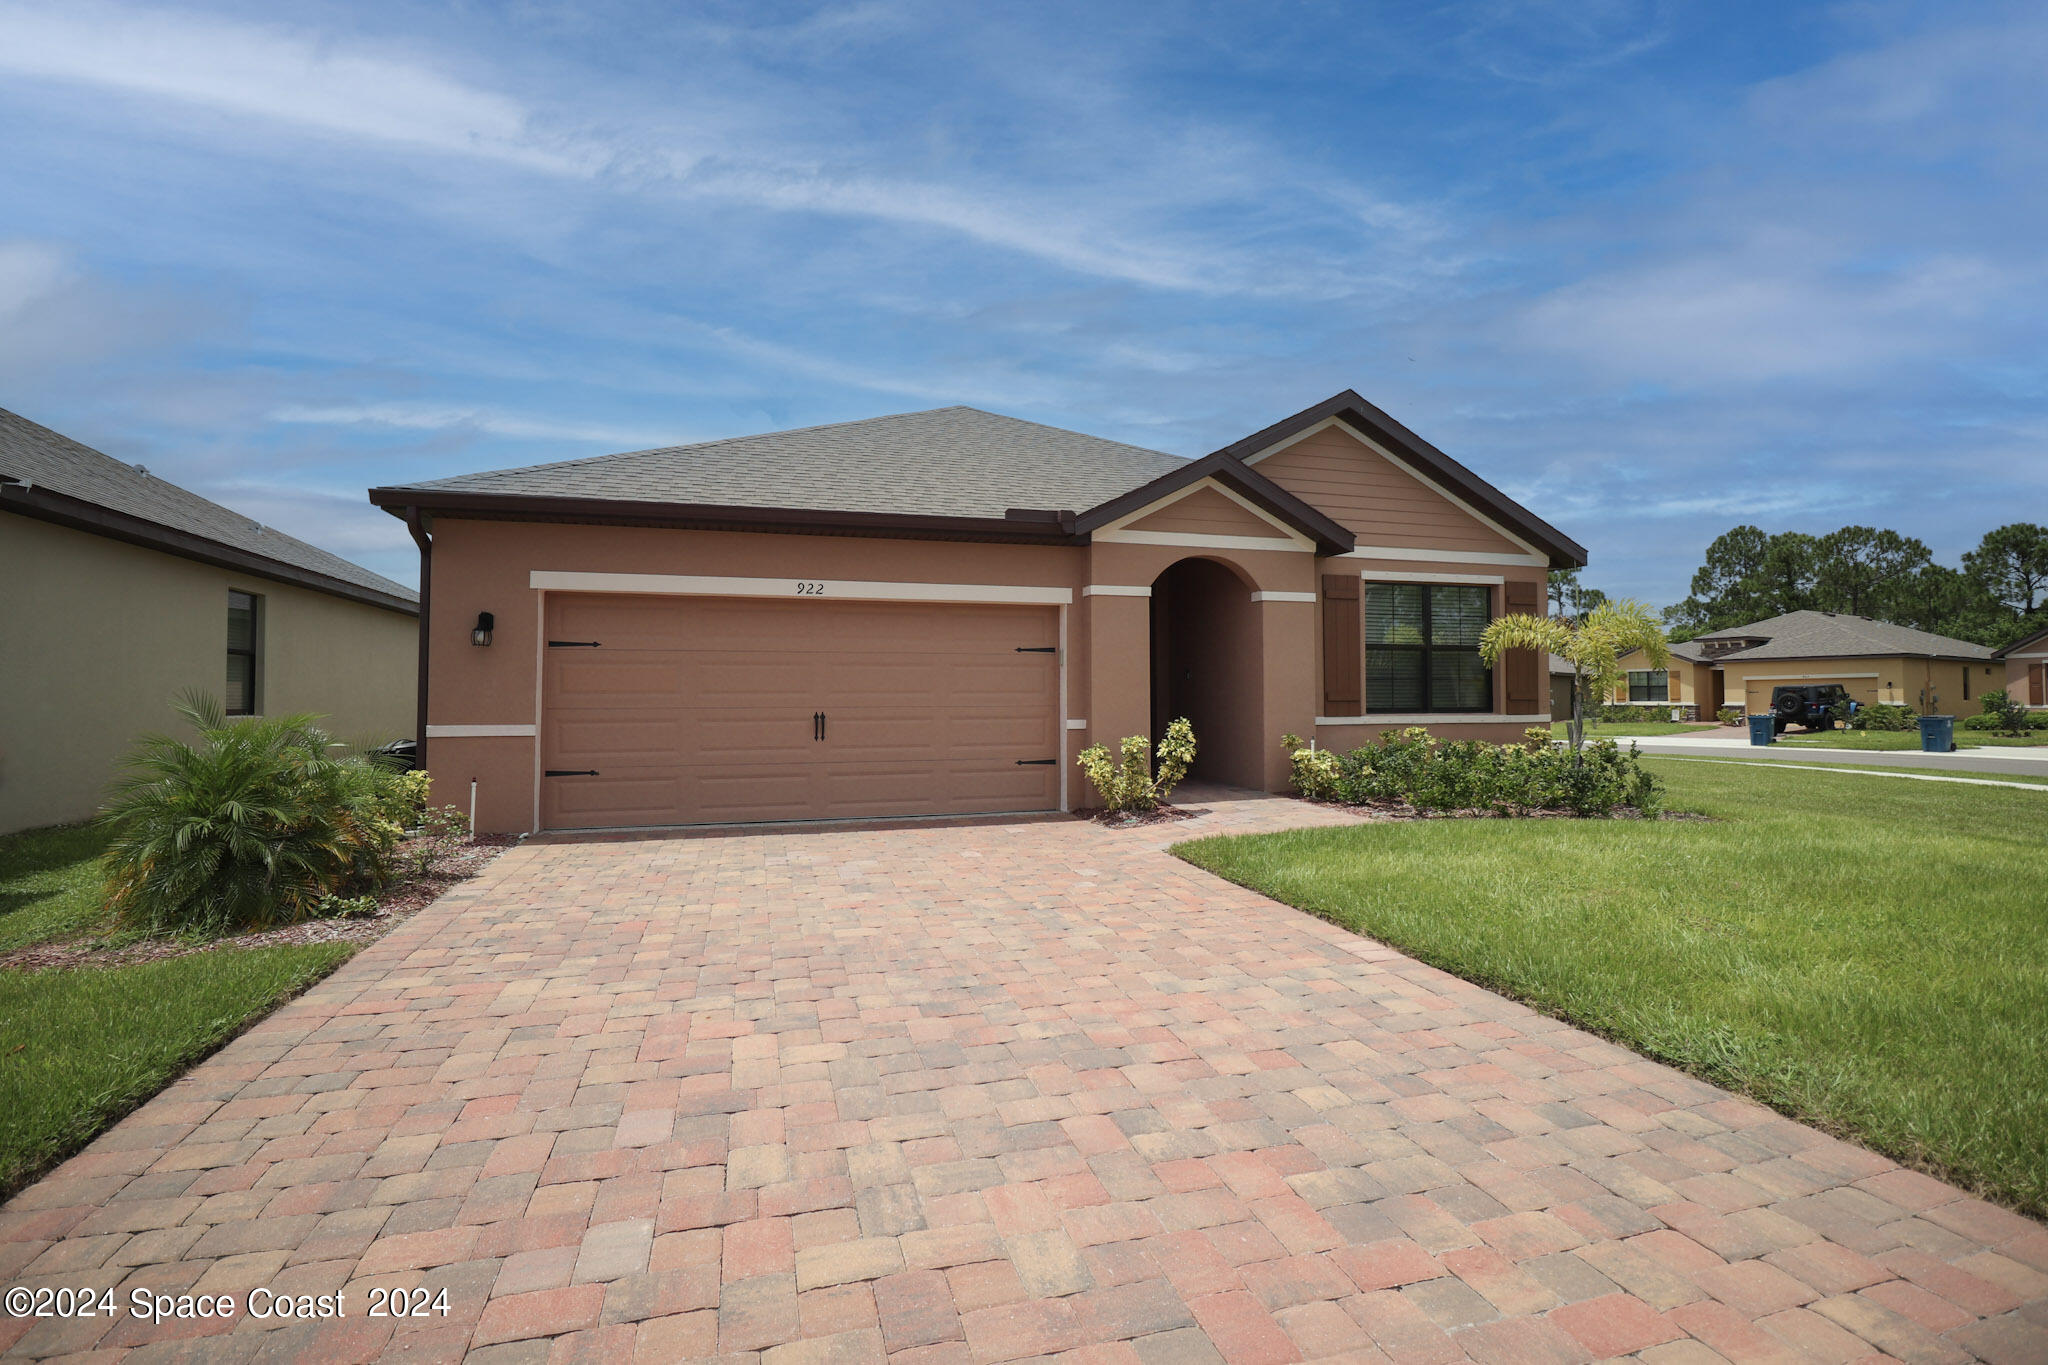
<point>697,710</point>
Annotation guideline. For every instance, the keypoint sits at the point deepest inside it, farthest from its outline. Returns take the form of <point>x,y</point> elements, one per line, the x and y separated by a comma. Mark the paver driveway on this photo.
<point>968,1092</point>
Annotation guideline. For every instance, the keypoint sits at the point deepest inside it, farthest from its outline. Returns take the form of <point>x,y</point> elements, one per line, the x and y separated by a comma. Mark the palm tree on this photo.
<point>1594,644</point>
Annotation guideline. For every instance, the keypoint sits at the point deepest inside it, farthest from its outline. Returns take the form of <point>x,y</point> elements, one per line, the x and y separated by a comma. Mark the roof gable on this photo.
<point>1397,442</point>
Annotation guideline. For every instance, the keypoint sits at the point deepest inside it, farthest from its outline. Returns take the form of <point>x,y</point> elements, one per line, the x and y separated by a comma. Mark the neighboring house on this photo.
<point>2026,669</point>
<point>1875,661</point>
<point>123,590</point>
<point>935,612</point>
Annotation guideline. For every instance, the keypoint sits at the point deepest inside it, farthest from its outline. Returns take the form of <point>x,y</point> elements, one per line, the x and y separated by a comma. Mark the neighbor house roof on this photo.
<point>53,478</point>
<point>2024,642</point>
<point>1833,634</point>
<point>950,471</point>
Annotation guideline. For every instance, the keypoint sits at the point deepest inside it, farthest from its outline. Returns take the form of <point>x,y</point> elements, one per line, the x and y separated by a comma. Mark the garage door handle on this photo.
<point>817,725</point>
<point>1038,649</point>
<point>1036,762</point>
<point>572,772</point>
<point>573,644</point>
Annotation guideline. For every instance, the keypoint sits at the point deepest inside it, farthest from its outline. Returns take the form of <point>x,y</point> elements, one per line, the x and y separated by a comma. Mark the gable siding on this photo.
<point>1207,512</point>
<point>1361,489</point>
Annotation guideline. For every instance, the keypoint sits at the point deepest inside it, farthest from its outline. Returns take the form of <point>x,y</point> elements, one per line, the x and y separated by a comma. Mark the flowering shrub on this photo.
<point>1128,782</point>
<point>1415,768</point>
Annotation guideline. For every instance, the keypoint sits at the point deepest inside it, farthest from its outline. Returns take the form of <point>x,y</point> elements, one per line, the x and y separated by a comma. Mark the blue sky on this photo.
<point>1655,269</point>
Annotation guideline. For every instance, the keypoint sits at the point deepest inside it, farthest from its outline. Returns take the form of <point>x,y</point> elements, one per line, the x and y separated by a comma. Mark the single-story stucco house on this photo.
<point>2026,668</point>
<point>935,612</point>
<point>123,591</point>
<point>1875,661</point>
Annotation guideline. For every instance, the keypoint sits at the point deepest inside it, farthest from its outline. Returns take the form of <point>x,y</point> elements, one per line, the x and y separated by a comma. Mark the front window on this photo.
<point>1649,684</point>
<point>242,654</point>
<point>1422,647</point>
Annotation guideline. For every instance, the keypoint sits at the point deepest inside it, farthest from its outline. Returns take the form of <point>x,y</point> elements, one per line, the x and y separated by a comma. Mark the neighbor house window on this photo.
<point>243,647</point>
<point>1422,647</point>
<point>1649,684</point>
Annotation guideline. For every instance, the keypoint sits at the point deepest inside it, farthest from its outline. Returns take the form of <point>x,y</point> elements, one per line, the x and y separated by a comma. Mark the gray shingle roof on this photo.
<point>1826,634</point>
<point>948,462</point>
<point>44,459</point>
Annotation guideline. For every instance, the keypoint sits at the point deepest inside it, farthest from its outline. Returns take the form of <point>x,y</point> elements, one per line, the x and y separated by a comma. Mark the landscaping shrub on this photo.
<point>1129,783</point>
<point>255,823</point>
<point>1993,703</point>
<point>1729,715</point>
<point>1884,715</point>
<point>2005,715</point>
<point>1413,767</point>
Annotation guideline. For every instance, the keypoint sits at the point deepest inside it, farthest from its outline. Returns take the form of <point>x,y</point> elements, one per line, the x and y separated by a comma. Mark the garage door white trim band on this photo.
<point>1283,597</point>
<point>1114,590</point>
<point>480,731</point>
<point>1798,677</point>
<point>824,589</point>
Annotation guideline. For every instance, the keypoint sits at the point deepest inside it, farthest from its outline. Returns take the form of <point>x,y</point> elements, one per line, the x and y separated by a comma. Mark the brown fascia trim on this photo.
<point>1564,552</point>
<point>1738,657</point>
<point>1330,538</point>
<point>1020,525</point>
<point>79,515</point>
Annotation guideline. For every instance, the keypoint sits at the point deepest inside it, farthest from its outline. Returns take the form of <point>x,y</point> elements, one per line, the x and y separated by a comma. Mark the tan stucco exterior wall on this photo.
<point>97,636</point>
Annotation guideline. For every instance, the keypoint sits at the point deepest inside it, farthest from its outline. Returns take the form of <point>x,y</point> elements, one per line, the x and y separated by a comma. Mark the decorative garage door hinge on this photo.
<point>1038,649</point>
<point>574,644</point>
<point>1036,762</point>
<point>571,772</point>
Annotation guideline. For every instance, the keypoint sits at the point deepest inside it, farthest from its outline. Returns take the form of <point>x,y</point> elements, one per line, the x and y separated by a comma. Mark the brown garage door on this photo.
<point>675,711</point>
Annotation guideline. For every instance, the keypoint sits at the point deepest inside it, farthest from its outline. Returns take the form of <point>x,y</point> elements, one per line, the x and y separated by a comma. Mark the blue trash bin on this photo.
<point>1938,734</point>
<point>1763,729</point>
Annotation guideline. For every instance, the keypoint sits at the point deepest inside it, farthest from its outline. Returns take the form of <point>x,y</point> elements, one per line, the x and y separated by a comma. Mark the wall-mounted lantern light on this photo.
<point>482,634</point>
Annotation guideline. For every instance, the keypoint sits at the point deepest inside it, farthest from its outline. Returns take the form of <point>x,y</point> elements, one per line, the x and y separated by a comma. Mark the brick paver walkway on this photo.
<point>976,1093</point>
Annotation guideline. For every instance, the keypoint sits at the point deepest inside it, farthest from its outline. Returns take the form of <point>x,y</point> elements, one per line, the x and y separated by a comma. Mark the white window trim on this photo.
<point>481,731</point>
<point>1802,677</point>
<point>1390,576</point>
<point>1114,590</point>
<point>1283,597</point>
<point>1438,718</point>
<point>1444,556</point>
<point>1432,485</point>
<point>830,589</point>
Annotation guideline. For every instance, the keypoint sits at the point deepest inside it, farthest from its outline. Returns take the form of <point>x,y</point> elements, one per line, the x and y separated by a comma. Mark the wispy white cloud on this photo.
<point>491,421</point>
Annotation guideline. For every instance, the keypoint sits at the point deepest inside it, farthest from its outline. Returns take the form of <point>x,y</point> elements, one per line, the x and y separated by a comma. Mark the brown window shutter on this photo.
<point>1524,668</point>
<point>1341,695</point>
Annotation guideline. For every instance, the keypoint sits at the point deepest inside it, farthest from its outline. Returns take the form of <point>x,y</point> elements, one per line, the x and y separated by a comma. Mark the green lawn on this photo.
<point>49,884</point>
<point>1819,763</point>
<point>1864,953</point>
<point>1624,729</point>
<point>81,1047</point>
<point>1908,739</point>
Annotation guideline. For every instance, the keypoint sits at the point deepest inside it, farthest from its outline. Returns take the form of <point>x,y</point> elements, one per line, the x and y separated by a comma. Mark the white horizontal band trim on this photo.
<point>1283,597</point>
<point>1801,677</point>
<point>1389,576</point>
<point>1436,718</point>
<point>2022,656</point>
<point>1114,590</point>
<point>826,589</point>
<point>1445,556</point>
<point>1077,725</point>
<point>1194,540</point>
<point>480,731</point>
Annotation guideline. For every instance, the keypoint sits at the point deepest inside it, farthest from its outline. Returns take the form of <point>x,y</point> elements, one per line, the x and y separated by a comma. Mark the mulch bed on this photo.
<point>1401,810</point>
<point>405,897</point>
<point>1126,819</point>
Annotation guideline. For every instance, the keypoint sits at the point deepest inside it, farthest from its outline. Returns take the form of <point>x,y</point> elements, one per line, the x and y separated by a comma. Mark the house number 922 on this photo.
<point>807,589</point>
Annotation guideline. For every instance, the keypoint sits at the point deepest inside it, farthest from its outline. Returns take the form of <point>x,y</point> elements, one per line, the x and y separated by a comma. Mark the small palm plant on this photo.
<point>1594,644</point>
<point>250,825</point>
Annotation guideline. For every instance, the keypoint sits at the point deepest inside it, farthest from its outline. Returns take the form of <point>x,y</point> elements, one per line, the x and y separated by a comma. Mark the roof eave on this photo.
<point>1564,552</point>
<point>79,515</point>
<point>1031,526</point>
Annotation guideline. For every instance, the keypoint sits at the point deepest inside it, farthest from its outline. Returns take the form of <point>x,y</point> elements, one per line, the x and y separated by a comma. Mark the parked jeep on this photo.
<point>1809,704</point>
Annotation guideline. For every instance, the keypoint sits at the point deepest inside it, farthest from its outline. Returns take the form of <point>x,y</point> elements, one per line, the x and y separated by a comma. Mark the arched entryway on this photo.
<point>1206,665</point>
